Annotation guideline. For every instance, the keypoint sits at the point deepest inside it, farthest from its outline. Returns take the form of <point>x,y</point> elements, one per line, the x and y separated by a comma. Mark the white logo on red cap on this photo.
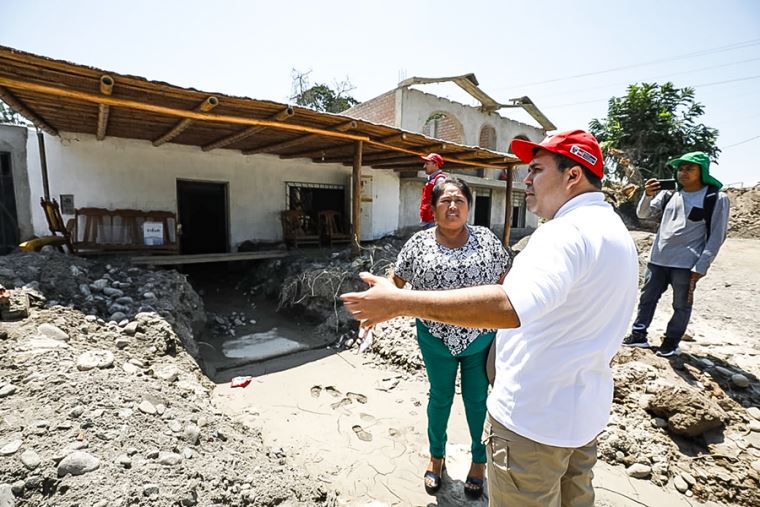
<point>588,157</point>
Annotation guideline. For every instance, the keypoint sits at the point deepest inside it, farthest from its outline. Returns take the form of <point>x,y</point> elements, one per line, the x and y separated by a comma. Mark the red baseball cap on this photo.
<point>575,144</point>
<point>434,157</point>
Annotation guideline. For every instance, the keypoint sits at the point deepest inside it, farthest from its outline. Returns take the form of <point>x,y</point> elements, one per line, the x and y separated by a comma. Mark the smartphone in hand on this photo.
<point>669,184</point>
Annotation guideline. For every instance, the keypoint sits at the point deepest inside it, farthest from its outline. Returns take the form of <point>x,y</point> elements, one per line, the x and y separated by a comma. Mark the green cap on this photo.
<point>702,160</point>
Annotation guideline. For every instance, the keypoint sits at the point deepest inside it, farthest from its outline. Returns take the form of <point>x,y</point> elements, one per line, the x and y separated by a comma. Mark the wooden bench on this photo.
<point>332,227</point>
<point>297,227</point>
<point>95,230</point>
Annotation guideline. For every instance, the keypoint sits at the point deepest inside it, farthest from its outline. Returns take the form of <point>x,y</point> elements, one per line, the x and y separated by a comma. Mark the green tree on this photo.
<point>322,97</point>
<point>647,127</point>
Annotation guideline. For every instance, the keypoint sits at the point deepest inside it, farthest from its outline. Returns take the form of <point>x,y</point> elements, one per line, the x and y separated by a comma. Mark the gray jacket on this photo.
<point>681,242</point>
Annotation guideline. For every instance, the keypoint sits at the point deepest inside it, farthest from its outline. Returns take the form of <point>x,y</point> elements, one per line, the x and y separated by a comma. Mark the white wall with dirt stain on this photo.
<point>126,173</point>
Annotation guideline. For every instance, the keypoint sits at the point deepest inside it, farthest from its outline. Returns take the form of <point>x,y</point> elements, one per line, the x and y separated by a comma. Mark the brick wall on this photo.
<point>381,109</point>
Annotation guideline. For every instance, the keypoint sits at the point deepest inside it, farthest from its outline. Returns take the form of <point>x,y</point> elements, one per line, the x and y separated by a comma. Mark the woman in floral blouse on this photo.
<point>453,255</point>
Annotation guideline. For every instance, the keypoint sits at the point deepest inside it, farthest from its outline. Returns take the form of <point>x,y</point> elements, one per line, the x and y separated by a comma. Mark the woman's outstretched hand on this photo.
<point>376,304</point>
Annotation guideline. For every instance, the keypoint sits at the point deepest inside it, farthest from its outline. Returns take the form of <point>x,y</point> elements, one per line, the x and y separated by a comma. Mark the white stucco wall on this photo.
<point>125,173</point>
<point>13,139</point>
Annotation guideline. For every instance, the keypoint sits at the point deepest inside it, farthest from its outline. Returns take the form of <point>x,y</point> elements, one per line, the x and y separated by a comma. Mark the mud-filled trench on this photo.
<point>244,328</point>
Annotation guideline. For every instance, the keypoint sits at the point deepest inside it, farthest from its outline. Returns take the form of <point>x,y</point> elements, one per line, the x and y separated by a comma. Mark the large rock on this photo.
<point>78,463</point>
<point>688,412</point>
<point>95,359</point>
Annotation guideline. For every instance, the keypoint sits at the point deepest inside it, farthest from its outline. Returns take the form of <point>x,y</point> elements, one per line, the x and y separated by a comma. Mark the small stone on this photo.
<point>187,453</point>
<point>118,316</point>
<point>131,328</point>
<point>53,332</point>
<point>78,463</point>
<point>149,295</point>
<point>32,482</point>
<point>113,293</point>
<point>76,411</point>
<point>7,390</point>
<point>754,425</point>
<point>169,458</point>
<point>10,448</point>
<point>166,372</point>
<point>6,496</point>
<point>680,484</point>
<point>91,318</point>
<point>30,459</point>
<point>160,409</point>
<point>99,285</point>
<point>739,380</point>
<point>130,368</point>
<point>724,371</point>
<point>659,422</point>
<point>125,413</point>
<point>146,407</point>
<point>706,362</point>
<point>125,300</point>
<point>191,434</point>
<point>175,426</point>
<point>124,460</point>
<point>123,323</point>
<point>754,412</point>
<point>690,480</point>
<point>150,489</point>
<point>85,290</point>
<point>755,465</point>
<point>95,359</point>
<point>121,343</point>
<point>18,487</point>
<point>639,471</point>
<point>131,451</point>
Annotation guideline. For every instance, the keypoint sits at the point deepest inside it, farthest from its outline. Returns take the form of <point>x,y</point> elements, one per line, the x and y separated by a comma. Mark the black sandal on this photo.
<point>473,487</point>
<point>435,479</point>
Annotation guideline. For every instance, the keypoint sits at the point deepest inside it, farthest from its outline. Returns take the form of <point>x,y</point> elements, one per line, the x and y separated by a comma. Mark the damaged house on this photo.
<point>213,172</point>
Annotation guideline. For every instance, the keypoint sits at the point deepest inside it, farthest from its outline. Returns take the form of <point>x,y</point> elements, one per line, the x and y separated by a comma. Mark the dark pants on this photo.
<point>656,280</point>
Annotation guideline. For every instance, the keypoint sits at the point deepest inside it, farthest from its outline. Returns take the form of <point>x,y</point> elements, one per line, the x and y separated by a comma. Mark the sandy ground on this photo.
<point>360,428</point>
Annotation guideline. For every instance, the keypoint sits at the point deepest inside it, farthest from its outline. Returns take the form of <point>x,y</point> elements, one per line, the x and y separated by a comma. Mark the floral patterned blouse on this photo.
<point>428,265</point>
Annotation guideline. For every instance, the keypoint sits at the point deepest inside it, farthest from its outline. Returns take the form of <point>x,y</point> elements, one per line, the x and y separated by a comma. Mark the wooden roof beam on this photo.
<point>18,106</point>
<point>349,125</point>
<point>331,151</point>
<point>104,110</point>
<point>204,107</point>
<point>283,115</point>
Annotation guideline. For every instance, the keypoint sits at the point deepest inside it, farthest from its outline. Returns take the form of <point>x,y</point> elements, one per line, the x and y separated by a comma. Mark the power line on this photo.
<point>719,49</point>
<point>702,85</point>
<point>646,79</point>
<point>740,142</point>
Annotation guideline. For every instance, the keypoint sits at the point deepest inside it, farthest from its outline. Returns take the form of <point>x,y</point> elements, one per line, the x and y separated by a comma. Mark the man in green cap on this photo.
<point>693,223</point>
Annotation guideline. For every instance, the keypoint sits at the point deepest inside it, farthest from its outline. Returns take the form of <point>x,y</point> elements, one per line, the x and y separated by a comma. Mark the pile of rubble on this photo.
<point>102,405</point>
<point>744,221</point>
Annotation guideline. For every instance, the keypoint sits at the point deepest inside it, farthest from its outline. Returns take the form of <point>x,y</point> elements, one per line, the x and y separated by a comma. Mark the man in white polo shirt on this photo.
<point>562,312</point>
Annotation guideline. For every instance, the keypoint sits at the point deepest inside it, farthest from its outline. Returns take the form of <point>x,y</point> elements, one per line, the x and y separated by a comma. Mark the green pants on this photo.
<point>441,369</point>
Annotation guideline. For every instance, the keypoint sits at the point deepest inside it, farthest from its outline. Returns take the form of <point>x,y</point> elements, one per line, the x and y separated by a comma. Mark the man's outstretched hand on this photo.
<point>376,304</point>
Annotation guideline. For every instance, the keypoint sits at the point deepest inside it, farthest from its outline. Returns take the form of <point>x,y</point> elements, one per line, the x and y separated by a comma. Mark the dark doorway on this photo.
<point>8,218</point>
<point>202,211</point>
<point>483,209</point>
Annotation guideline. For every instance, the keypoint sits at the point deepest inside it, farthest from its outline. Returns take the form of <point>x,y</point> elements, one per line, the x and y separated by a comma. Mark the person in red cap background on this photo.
<point>561,314</point>
<point>432,167</point>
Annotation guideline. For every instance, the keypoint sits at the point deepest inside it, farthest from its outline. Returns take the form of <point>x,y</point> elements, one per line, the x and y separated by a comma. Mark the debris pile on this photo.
<point>104,409</point>
<point>744,221</point>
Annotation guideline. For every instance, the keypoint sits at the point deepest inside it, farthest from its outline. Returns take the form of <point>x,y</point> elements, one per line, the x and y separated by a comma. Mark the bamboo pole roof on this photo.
<point>59,96</point>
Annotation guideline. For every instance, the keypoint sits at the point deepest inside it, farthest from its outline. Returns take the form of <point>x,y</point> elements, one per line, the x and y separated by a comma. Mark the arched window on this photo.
<point>487,137</point>
<point>444,126</point>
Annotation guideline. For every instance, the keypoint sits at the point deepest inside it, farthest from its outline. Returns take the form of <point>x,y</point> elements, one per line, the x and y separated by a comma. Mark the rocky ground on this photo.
<point>102,404</point>
<point>102,401</point>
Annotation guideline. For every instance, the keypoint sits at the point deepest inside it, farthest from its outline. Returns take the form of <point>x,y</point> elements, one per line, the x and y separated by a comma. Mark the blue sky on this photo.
<point>559,53</point>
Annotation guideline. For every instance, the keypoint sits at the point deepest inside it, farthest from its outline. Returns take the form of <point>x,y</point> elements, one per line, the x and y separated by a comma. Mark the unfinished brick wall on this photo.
<point>444,126</point>
<point>487,137</point>
<point>381,109</point>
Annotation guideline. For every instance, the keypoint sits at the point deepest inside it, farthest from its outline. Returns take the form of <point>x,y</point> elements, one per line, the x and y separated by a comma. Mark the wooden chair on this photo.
<point>96,230</point>
<point>332,227</point>
<point>297,228</point>
<point>61,234</point>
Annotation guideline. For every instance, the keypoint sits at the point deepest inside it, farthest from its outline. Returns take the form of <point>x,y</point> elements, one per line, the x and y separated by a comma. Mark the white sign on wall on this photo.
<point>153,233</point>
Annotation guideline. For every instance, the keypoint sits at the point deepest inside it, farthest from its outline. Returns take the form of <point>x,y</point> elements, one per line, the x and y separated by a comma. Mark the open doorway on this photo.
<point>483,208</point>
<point>9,236</point>
<point>202,210</point>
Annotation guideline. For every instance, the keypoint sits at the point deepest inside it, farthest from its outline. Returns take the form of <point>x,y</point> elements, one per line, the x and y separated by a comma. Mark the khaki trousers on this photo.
<point>525,473</point>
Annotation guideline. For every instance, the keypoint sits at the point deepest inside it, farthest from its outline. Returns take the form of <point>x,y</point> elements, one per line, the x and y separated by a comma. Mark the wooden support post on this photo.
<point>22,109</point>
<point>106,87</point>
<point>283,115</point>
<point>43,164</point>
<point>508,211</point>
<point>204,107</point>
<point>356,179</point>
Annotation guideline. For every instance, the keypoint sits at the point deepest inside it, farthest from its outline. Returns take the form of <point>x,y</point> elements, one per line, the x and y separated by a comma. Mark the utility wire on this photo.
<point>740,142</point>
<point>702,85</point>
<point>719,49</point>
